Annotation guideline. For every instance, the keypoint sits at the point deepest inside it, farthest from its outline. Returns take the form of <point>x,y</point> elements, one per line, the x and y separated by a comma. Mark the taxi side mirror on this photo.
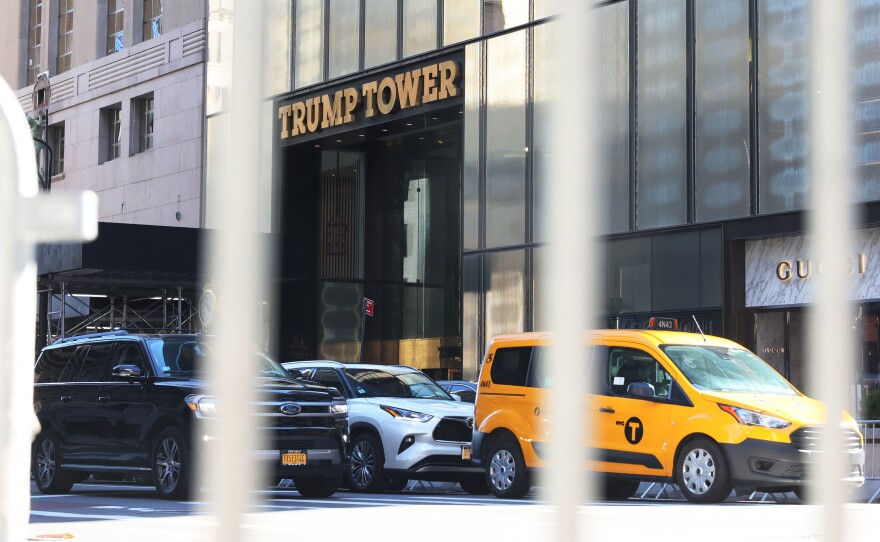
<point>640,389</point>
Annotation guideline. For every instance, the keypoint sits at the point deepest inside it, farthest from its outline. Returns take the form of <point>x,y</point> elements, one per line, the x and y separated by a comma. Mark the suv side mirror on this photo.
<point>127,372</point>
<point>295,373</point>
<point>456,396</point>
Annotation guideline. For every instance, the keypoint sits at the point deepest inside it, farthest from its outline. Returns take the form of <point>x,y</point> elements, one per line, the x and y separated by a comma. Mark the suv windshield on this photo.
<point>716,368</point>
<point>376,383</point>
<point>175,357</point>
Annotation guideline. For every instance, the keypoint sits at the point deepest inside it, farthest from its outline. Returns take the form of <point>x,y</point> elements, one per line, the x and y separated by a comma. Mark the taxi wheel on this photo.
<point>474,485</point>
<point>50,479</point>
<point>506,470</point>
<point>172,470</point>
<point>620,490</point>
<point>317,486</point>
<point>366,465</point>
<point>702,472</point>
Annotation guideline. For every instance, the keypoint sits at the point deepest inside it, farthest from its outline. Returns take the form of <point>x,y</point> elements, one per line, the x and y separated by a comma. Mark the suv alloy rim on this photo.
<point>363,464</point>
<point>168,464</point>
<point>46,462</point>
<point>502,470</point>
<point>698,471</point>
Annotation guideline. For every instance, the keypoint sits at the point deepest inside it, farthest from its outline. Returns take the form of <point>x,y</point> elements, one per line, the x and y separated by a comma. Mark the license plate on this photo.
<point>293,458</point>
<point>465,452</point>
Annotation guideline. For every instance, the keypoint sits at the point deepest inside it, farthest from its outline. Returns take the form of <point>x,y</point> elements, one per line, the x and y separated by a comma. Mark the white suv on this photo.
<point>403,426</point>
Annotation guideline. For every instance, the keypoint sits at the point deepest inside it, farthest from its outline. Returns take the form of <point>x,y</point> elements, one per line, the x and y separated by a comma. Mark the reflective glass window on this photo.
<point>419,26</point>
<point>546,8</point>
<point>502,14</point>
<point>614,107</point>
<point>783,70</point>
<point>721,175</point>
<point>629,275</point>
<point>505,287</point>
<point>309,54</point>
<point>471,178</point>
<point>461,20</point>
<point>380,29</point>
<point>345,36</point>
<point>471,286</point>
<point>661,183</point>
<point>865,32</point>
<point>505,140</point>
<point>278,23</point>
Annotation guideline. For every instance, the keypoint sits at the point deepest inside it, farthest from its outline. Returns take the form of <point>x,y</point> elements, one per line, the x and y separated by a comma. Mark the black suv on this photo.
<point>117,403</point>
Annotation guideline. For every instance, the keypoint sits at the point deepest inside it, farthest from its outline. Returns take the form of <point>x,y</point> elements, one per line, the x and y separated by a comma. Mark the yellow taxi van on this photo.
<point>699,411</point>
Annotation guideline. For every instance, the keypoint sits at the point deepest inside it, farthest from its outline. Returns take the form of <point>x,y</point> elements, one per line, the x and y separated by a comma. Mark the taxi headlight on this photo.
<point>339,408</point>
<point>406,414</point>
<point>750,417</point>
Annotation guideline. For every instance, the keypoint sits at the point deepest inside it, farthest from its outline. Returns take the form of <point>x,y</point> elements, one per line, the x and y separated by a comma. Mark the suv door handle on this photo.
<point>65,398</point>
<point>103,398</point>
<point>607,410</point>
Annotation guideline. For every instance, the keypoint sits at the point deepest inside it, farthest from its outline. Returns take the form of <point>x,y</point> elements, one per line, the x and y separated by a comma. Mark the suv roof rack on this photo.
<point>91,336</point>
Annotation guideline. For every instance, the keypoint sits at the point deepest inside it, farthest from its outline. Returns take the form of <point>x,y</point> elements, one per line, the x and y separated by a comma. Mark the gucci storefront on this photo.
<point>779,286</point>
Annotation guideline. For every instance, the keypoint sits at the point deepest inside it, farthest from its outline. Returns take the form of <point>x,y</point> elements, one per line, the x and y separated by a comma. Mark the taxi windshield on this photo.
<point>718,368</point>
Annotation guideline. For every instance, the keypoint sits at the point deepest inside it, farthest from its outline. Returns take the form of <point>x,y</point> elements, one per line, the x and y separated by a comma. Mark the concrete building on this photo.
<point>126,119</point>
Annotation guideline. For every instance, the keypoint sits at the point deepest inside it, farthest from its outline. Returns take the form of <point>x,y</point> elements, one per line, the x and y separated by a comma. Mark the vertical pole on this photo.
<point>165,325</point>
<point>831,230</point>
<point>62,315</point>
<point>124,311</point>
<point>363,325</point>
<point>179,308</point>
<point>112,312</point>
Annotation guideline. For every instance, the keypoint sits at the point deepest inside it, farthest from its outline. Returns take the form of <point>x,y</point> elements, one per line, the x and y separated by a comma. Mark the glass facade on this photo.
<point>115,23</point>
<point>662,139</point>
<point>345,37</point>
<point>722,182</point>
<point>65,36</point>
<point>419,26</point>
<point>704,112</point>
<point>35,40</point>
<point>309,48</point>
<point>783,88</point>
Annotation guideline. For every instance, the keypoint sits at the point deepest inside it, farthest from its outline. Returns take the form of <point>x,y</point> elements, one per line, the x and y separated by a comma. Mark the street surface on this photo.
<point>124,512</point>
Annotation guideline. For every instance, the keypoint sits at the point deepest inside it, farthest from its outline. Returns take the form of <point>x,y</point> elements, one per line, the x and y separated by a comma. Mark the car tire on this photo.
<point>702,472</point>
<point>366,467</point>
<point>620,490</point>
<point>317,487</point>
<point>48,476</point>
<point>172,464</point>
<point>506,473</point>
<point>396,484</point>
<point>474,485</point>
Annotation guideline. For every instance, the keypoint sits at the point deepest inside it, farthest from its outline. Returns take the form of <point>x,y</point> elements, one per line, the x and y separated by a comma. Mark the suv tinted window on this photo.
<point>511,365</point>
<point>328,377</point>
<point>51,364</point>
<point>128,353</point>
<point>94,363</point>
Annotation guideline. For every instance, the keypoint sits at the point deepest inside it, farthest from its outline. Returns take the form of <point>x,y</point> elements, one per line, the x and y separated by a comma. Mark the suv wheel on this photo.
<point>702,472</point>
<point>172,470</point>
<point>506,470</point>
<point>50,479</point>
<point>316,486</point>
<point>366,465</point>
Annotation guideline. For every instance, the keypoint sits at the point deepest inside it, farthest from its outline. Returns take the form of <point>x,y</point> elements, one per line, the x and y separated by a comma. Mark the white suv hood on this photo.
<point>433,407</point>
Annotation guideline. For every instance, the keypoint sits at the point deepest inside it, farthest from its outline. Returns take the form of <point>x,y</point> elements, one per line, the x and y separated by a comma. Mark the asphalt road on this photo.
<point>128,513</point>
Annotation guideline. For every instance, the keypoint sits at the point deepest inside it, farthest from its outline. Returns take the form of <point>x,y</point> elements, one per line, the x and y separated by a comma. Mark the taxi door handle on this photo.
<point>607,410</point>
<point>103,398</point>
<point>65,398</point>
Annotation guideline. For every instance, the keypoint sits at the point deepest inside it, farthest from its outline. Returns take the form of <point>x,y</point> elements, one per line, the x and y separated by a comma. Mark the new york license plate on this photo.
<point>293,458</point>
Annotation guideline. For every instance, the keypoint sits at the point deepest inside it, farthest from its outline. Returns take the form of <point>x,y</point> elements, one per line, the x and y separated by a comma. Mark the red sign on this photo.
<point>368,306</point>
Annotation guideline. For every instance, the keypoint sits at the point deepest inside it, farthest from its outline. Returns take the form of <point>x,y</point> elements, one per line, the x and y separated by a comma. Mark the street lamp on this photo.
<point>40,128</point>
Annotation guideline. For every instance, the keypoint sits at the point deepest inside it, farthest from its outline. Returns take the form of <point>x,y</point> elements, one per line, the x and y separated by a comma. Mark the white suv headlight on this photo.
<point>339,408</point>
<point>750,417</point>
<point>406,414</point>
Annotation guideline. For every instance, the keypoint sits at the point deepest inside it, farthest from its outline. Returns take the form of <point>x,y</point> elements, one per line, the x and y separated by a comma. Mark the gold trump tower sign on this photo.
<point>369,101</point>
